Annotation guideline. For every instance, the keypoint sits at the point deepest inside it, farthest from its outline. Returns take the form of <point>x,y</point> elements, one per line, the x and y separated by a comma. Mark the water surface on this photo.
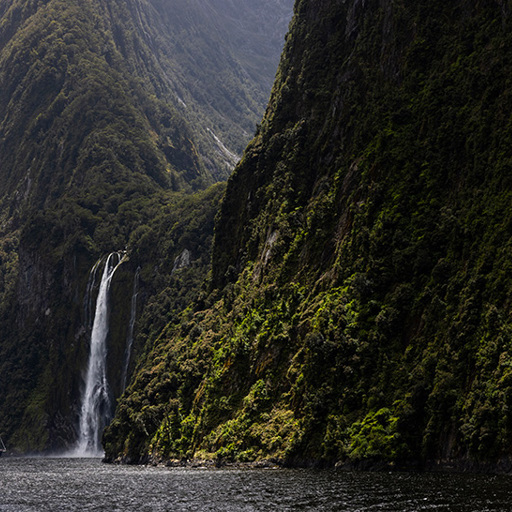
<point>62,485</point>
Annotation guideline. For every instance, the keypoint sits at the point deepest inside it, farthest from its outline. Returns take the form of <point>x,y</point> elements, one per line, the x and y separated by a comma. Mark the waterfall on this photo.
<point>96,404</point>
<point>89,297</point>
<point>131,326</point>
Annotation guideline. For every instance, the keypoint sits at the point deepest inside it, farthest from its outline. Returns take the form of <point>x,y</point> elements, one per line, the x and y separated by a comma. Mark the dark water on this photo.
<point>33,485</point>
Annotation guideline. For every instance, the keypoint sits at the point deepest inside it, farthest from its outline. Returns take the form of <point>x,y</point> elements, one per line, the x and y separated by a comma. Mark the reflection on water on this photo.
<point>62,485</point>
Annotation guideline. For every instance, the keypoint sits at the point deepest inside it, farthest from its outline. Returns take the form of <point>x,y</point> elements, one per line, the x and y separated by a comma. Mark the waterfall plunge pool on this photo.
<point>65,485</point>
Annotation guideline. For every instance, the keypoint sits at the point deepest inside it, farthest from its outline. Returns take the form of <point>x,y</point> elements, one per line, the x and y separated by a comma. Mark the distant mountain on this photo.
<point>218,59</point>
<point>164,60</point>
<point>255,31</point>
<point>115,117</point>
<point>360,297</point>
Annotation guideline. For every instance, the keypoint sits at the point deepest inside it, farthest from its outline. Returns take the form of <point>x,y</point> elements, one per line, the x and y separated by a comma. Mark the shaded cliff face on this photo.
<point>115,117</point>
<point>361,299</point>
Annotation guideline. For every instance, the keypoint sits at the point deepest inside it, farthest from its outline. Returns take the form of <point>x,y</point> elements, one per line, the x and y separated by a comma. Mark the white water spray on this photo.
<point>96,404</point>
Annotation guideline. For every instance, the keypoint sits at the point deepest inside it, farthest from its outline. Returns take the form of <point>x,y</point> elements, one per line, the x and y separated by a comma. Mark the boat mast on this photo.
<point>2,445</point>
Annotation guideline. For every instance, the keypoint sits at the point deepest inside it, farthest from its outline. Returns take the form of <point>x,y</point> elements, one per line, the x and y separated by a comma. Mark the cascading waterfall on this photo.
<point>96,404</point>
<point>131,326</point>
<point>89,297</point>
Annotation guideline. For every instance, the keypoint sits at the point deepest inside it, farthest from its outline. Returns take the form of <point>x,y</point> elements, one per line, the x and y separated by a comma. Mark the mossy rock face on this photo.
<point>359,305</point>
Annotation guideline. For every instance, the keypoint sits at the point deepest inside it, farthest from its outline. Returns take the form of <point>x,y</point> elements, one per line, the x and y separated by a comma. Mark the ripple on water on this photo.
<point>71,485</point>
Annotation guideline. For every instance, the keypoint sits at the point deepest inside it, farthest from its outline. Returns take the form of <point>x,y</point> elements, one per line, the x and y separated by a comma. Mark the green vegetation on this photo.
<point>359,302</point>
<point>99,153</point>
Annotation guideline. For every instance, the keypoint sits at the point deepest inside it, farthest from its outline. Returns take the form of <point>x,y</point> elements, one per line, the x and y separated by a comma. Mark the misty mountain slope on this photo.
<point>360,293</point>
<point>98,155</point>
<point>218,59</point>
<point>54,68</point>
<point>255,31</point>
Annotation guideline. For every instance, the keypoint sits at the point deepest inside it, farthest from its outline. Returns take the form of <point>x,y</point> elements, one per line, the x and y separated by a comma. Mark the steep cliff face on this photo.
<point>115,116</point>
<point>360,296</point>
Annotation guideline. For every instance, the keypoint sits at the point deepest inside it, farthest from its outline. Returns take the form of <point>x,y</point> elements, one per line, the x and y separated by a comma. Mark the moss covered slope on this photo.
<point>360,305</point>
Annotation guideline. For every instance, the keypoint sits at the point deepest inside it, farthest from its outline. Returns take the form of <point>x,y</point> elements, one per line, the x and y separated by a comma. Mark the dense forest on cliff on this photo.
<point>117,119</point>
<point>358,308</point>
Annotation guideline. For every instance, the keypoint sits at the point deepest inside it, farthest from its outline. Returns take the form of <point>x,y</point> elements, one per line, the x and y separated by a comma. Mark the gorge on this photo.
<point>107,111</point>
<point>343,300</point>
